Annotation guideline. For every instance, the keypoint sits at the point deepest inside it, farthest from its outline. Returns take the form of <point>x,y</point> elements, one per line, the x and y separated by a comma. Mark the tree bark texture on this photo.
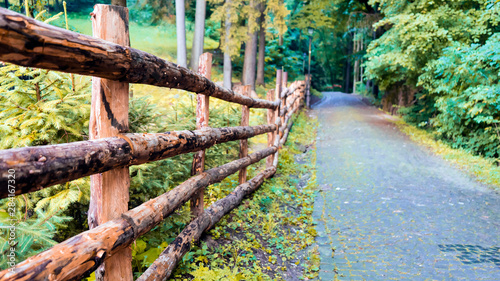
<point>109,191</point>
<point>199,33</point>
<point>277,92</point>
<point>249,63</point>
<point>180,21</point>
<point>43,166</point>
<point>245,120</point>
<point>122,3</point>
<point>262,47</point>
<point>83,253</point>
<point>286,132</point>
<point>271,119</point>
<point>228,68</point>
<point>31,43</point>
<point>163,267</point>
<point>202,114</point>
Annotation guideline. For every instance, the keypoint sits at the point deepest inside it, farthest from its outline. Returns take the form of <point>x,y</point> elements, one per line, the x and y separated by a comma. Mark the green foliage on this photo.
<point>447,51</point>
<point>41,107</point>
<point>465,85</point>
<point>418,33</point>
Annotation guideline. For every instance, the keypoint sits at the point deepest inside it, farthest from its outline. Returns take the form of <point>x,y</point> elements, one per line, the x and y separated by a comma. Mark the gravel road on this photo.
<point>389,209</point>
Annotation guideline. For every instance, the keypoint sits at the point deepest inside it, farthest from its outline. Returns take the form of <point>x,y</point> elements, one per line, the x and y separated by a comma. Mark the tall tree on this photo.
<point>6,3</point>
<point>122,3</point>
<point>199,33</point>
<point>262,46</point>
<point>228,68</point>
<point>249,64</point>
<point>180,19</point>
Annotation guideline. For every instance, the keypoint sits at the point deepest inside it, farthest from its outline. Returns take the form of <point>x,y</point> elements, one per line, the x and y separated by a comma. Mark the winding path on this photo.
<point>388,209</point>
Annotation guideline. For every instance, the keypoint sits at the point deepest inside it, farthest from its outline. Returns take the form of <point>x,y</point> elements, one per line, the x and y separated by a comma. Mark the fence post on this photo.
<point>285,80</point>
<point>271,119</point>
<point>109,191</point>
<point>202,114</point>
<point>308,95</point>
<point>283,104</point>
<point>277,119</point>
<point>245,121</point>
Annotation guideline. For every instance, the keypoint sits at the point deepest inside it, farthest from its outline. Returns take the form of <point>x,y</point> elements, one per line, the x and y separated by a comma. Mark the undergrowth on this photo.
<point>485,170</point>
<point>262,238</point>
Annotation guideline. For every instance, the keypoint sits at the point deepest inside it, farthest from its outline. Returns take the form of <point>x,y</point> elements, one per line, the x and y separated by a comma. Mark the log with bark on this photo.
<point>163,266</point>
<point>43,166</point>
<point>83,253</point>
<point>31,43</point>
<point>286,109</point>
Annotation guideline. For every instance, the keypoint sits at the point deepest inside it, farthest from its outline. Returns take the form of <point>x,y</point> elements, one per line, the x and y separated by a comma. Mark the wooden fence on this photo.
<point>105,248</point>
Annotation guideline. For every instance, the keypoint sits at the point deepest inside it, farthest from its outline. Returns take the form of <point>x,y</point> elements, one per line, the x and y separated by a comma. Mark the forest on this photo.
<point>435,63</point>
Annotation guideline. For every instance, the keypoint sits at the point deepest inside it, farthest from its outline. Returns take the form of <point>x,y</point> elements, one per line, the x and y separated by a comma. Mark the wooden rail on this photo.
<point>30,43</point>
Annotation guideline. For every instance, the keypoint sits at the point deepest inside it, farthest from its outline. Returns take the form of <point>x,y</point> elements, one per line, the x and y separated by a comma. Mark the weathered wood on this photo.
<point>83,253</point>
<point>286,132</point>
<point>291,102</point>
<point>28,42</point>
<point>245,121</point>
<point>43,166</point>
<point>109,191</point>
<point>308,92</point>
<point>163,267</point>
<point>202,115</point>
<point>283,108</point>
<point>270,121</point>
<point>285,80</point>
<point>277,92</point>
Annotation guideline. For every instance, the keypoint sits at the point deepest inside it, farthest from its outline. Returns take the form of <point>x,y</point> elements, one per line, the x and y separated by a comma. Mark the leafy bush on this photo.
<point>465,85</point>
<point>446,51</point>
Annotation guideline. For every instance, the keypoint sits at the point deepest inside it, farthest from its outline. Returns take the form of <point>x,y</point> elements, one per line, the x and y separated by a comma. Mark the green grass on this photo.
<point>483,169</point>
<point>158,40</point>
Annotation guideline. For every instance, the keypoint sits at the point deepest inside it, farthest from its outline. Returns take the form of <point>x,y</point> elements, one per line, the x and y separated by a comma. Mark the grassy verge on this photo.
<point>483,169</point>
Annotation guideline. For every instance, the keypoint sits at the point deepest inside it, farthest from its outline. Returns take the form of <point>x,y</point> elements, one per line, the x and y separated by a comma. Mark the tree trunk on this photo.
<point>199,33</point>
<point>122,3</point>
<point>262,48</point>
<point>347,75</point>
<point>356,66</point>
<point>228,69</point>
<point>180,19</point>
<point>6,4</point>
<point>248,76</point>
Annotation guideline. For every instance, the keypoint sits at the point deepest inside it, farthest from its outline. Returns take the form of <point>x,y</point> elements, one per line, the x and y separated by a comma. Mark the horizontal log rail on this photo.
<point>31,43</point>
<point>83,253</point>
<point>27,42</point>
<point>288,91</point>
<point>43,166</point>
<point>286,109</point>
<point>163,267</point>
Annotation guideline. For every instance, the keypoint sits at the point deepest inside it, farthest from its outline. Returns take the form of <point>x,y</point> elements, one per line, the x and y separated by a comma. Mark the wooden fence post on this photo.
<point>202,114</point>
<point>109,117</point>
<point>285,80</point>
<point>277,118</point>
<point>283,103</point>
<point>308,95</point>
<point>271,119</point>
<point>245,121</point>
